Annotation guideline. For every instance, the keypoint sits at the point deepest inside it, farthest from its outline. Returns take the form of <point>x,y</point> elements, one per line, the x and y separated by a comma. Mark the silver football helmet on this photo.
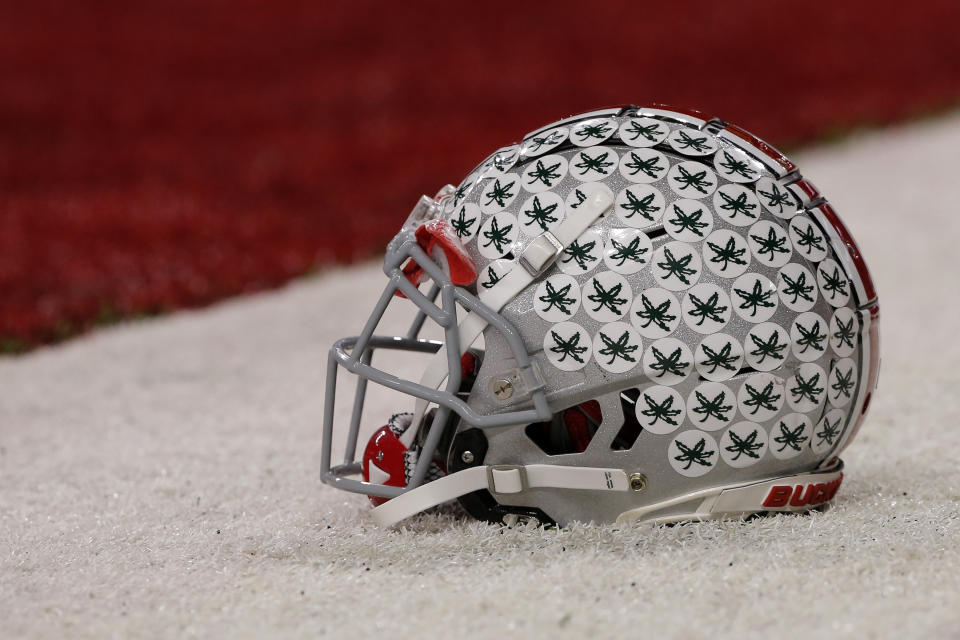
<point>675,325</point>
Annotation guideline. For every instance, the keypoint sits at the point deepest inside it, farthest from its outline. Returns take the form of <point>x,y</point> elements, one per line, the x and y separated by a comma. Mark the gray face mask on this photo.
<point>674,325</point>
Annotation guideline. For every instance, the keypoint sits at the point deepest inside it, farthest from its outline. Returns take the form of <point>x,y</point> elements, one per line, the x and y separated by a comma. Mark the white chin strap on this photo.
<point>799,492</point>
<point>498,479</point>
<point>535,259</point>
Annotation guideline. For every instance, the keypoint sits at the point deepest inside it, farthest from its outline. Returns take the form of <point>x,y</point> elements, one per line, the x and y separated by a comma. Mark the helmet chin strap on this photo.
<point>536,258</point>
<point>792,493</point>
<point>498,479</point>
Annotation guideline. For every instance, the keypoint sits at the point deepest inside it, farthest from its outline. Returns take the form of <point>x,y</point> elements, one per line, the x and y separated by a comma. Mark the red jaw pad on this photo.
<point>577,424</point>
<point>434,233</point>
<point>383,461</point>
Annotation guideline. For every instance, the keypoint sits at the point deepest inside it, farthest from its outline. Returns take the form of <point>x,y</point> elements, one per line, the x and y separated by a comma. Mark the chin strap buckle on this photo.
<point>505,478</point>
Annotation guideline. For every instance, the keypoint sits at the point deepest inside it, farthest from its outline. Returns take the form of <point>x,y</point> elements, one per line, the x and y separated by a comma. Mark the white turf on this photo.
<point>161,478</point>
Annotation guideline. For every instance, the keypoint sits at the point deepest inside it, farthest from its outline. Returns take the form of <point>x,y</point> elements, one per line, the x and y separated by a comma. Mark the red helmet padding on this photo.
<point>578,426</point>
<point>439,233</point>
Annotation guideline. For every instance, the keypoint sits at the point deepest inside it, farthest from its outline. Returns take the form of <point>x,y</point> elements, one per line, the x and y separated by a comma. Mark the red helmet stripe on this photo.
<point>869,291</point>
<point>766,153</point>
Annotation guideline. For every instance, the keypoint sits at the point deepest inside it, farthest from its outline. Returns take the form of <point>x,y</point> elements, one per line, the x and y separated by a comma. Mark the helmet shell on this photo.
<point>718,312</point>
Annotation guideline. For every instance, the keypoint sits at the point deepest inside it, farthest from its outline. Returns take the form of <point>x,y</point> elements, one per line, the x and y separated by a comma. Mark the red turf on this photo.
<point>167,154</point>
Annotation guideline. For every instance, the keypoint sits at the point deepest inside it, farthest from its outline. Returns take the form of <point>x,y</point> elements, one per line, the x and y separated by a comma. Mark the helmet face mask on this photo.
<point>675,325</point>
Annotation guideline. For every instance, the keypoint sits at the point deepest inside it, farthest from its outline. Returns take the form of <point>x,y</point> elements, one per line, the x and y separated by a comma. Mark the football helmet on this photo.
<point>675,325</point>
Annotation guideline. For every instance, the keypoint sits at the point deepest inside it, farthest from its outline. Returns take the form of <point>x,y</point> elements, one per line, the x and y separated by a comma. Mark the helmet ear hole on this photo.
<point>568,431</point>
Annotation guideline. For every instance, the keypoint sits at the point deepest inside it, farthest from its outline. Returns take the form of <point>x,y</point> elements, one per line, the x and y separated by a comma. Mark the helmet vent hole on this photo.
<point>569,431</point>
